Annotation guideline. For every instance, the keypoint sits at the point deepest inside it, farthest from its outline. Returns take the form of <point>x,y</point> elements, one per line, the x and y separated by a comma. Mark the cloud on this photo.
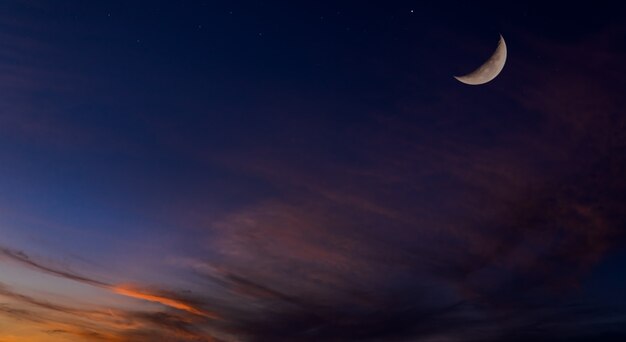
<point>165,299</point>
<point>500,227</point>
<point>25,260</point>
<point>6,292</point>
<point>100,323</point>
<point>437,227</point>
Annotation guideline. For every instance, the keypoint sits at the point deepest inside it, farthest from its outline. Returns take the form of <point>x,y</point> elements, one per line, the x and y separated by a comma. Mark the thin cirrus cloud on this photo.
<point>161,299</point>
<point>124,290</point>
<point>366,252</point>
<point>179,320</point>
<point>426,234</point>
<point>526,214</point>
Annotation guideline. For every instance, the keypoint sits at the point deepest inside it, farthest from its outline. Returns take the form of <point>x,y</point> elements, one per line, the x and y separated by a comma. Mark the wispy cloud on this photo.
<point>25,260</point>
<point>426,232</point>
<point>161,297</point>
<point>109,324</point>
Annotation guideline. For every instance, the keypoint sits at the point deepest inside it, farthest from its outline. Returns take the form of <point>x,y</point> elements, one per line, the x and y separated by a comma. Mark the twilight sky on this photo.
<point>311,171</point>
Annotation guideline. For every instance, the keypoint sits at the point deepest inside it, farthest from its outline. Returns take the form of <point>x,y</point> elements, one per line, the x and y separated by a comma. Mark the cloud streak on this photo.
<point>100,323</point>
<point>166,299</point>
<point>428,223</point>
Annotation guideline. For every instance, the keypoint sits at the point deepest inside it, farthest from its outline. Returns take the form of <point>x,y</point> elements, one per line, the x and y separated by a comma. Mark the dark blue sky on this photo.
<point>311,171</point>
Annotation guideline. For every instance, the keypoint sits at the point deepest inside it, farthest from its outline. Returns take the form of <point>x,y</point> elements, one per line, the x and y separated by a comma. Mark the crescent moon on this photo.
<point>489,70</point>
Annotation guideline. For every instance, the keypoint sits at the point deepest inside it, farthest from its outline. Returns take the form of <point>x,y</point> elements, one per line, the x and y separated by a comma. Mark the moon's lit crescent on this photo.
<point>489,70</point>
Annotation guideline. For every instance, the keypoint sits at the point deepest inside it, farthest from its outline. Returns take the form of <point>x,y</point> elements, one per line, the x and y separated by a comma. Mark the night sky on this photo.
<point>311,171</point>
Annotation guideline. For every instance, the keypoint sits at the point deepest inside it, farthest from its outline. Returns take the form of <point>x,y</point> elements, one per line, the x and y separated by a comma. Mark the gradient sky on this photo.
<point>311,171</point>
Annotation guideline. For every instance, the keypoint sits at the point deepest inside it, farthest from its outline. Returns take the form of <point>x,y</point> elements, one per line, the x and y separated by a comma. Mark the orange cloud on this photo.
<point>156,298</point>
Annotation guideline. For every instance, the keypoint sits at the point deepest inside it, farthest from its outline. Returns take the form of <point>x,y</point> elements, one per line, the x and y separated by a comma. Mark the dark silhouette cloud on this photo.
<point>24,259</point>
